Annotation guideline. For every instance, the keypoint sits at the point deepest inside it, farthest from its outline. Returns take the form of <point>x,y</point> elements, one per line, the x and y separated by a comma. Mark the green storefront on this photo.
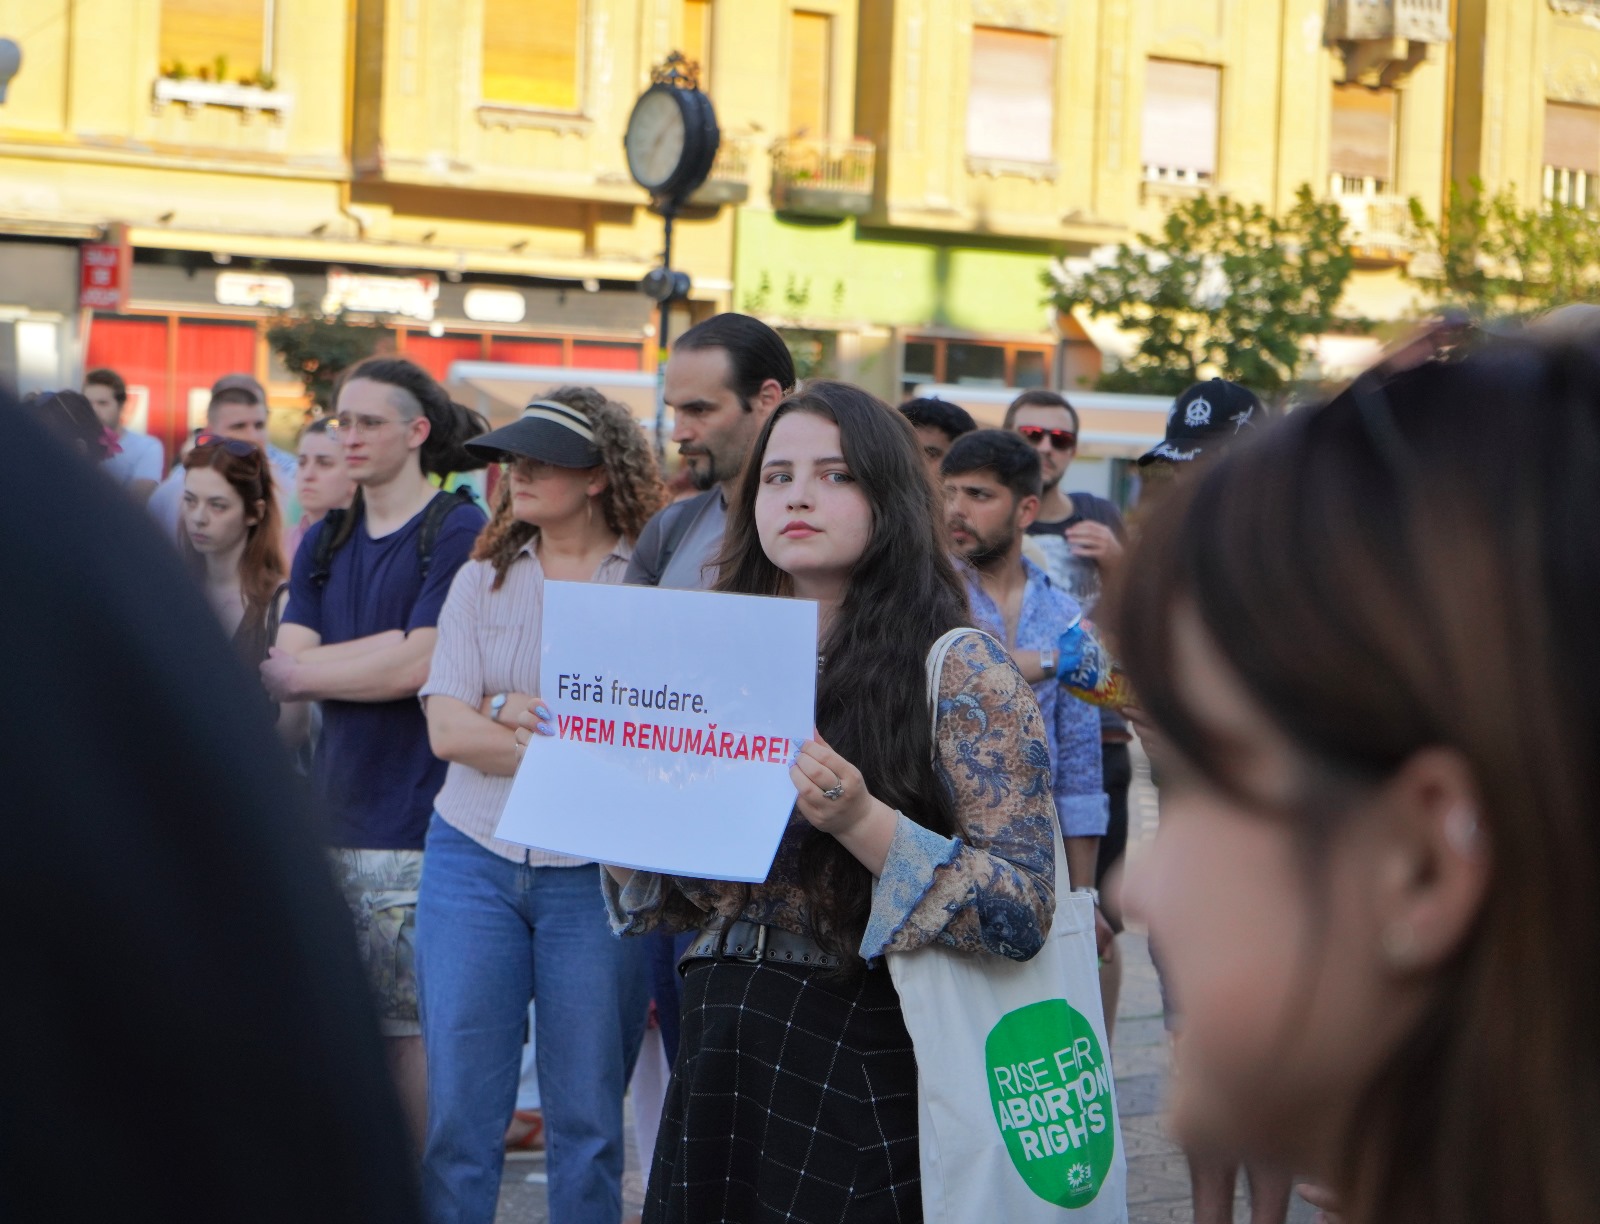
<point>893,308</point>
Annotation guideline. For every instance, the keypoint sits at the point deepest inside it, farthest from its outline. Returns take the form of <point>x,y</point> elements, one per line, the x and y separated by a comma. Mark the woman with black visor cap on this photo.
<point>497,923</point>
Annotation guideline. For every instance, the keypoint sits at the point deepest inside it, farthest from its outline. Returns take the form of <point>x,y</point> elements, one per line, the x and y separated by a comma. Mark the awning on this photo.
<point>500,390</point>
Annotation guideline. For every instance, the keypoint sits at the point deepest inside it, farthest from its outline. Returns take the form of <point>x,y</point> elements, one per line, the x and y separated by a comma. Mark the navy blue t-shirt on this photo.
<point>373,767</point>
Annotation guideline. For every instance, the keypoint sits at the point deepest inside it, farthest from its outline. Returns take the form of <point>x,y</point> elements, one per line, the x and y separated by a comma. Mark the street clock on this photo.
<point>672,135</point>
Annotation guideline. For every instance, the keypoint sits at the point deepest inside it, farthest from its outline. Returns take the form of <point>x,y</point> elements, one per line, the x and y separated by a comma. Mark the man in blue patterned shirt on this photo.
<point>991,486</point>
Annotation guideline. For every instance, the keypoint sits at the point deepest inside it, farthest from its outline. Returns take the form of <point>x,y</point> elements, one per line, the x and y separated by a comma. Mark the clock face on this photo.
<point>655,139</point>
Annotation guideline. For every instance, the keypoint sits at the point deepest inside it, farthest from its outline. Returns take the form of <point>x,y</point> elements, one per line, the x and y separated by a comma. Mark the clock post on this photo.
<point>670,143</point>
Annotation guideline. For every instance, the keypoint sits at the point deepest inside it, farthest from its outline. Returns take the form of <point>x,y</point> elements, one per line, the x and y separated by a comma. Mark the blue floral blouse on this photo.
<point>991,888</point>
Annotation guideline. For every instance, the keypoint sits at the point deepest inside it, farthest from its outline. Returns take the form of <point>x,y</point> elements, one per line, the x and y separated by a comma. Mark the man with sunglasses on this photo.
<point>1077,533</point>
<point>1079,537</point>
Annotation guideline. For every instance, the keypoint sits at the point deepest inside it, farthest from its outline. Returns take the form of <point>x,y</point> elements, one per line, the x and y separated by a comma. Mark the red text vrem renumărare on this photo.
<point>709,741</point>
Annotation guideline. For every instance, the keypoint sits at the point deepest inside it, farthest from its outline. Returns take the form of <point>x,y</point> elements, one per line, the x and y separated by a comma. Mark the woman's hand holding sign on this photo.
<point>535,720</point>
<point>832,795</point>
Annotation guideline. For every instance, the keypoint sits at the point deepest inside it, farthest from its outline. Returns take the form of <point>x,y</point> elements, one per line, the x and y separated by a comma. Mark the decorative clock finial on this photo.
<point>677,71</point>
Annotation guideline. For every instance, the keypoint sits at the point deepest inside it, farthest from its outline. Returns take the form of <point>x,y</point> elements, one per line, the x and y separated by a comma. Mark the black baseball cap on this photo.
<point>1206,418</point>
<point>546,430</point>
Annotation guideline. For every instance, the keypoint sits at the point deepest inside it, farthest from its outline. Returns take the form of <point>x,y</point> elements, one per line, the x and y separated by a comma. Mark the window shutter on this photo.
<point>532,58</point>
<point>1181,103</point>
<point>697,37</point>
<point>1363,133</point>
<point>810,74</point>
<point>1011,97</point>
<point>196,33</point>
<point>1572,137</point>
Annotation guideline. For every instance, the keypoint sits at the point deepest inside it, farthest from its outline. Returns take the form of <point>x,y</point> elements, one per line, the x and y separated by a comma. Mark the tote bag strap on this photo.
<point>936,654</point>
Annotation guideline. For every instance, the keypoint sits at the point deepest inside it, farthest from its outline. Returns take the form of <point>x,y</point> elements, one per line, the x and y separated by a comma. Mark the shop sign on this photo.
<point>105,270</point>
<point>495,306</point>
<point>412,297</point>
<point>255,289</point>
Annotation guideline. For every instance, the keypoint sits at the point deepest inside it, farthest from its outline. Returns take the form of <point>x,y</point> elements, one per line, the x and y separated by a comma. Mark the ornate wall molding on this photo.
<point>1577,8</point>
<point>995,167</point>
<point>1574,79</point>
<point>1045,16</point>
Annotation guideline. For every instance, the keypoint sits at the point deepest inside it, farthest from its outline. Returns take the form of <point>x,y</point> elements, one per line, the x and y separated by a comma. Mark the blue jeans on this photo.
<point>491,934</point>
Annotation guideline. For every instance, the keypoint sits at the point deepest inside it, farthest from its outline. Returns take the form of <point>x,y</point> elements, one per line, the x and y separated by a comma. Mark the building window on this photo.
<point>1011,96</point>
<point>1572,155</point>
<point>533,60</point>
<point>1361,156</point>
<point>810,74</point>
<point>972,363</point>
<point>222,40</point>
<point>696,41</point>
<point>1179,139</point>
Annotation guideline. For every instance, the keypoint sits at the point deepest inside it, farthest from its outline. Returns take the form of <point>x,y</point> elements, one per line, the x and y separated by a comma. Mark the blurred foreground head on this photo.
<point>185,1034</point>
<point>1367,640</point>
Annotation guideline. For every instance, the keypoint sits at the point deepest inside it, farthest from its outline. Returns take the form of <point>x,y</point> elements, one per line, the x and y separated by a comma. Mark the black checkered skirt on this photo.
<point>793,1099</point>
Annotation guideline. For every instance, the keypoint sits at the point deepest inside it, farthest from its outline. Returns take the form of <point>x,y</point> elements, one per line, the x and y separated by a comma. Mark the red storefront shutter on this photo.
<point>435,353</point>
<point>605,355</point>
<point>137,350</point>
<point>521,351</point>
<point>207,351</point>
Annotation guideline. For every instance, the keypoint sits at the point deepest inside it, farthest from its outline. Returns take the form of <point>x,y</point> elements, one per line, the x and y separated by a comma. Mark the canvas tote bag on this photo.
<point>1016,1104</point>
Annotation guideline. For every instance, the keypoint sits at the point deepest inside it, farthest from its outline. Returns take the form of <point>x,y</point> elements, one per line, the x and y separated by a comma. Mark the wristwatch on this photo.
<point>496,704</point>
<point>1047,660</point>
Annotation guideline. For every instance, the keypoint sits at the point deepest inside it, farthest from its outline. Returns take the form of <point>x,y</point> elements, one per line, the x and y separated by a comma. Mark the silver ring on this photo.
<point>834,791</point>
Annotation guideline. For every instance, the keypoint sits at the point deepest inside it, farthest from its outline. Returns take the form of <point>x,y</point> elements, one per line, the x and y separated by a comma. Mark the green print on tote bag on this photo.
<point>1052,1093</point>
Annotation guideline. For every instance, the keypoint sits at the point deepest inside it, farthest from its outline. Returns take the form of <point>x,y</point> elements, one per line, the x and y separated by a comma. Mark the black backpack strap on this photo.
<point>433,518</point>
<point>337,528</point>
<point>274,619</point>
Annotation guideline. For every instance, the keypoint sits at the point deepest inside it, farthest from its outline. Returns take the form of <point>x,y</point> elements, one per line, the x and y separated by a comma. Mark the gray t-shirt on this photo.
<point>679,545</point>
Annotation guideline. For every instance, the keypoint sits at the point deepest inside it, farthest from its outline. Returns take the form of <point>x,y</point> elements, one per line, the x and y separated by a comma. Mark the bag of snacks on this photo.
<point>1087,670</point>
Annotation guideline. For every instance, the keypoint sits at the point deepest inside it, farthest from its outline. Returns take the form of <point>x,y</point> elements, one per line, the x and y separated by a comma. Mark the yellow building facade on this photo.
<point>894,178</point>
<point>1527,110</point>
<point>451,170</point>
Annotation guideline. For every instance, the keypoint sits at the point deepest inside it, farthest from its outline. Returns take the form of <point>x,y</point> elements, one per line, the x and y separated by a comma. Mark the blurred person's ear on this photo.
<point>1432,861</point>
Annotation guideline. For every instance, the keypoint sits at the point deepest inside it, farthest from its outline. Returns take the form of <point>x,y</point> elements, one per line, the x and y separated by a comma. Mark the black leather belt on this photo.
<point>751,942</point>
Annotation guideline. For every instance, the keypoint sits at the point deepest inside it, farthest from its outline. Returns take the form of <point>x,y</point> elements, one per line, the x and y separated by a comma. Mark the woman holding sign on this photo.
<point>497,923</point>
<point>794,1094</point>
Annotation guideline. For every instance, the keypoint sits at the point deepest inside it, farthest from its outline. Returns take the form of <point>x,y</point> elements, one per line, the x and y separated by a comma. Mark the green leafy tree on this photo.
<point>1496,259</point>
<point>1224,289</point>
<point>318,348</point>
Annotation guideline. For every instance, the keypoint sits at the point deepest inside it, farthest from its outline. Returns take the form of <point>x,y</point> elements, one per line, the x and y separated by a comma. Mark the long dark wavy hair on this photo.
<point>633,489</point>
<point>1413,565</point>
<point>872,704</point>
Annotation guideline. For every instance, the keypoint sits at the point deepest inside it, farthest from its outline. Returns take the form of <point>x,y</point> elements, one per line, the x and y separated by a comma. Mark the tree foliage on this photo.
<point>1225,289</point>
<point>319,347</point>
<point>1497,259</point>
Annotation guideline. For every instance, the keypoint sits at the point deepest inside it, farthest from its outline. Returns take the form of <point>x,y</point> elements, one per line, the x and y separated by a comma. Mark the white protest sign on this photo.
<point>678,714</point>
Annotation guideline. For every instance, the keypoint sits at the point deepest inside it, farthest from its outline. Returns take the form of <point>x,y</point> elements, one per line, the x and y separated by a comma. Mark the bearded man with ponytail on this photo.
<point>365,594</point>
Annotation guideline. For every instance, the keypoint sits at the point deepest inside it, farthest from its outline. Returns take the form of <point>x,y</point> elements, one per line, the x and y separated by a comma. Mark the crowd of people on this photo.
<point>1366,847</point>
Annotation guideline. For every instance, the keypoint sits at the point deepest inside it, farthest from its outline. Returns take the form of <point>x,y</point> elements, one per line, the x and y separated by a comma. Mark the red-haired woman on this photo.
<point>232,539</point>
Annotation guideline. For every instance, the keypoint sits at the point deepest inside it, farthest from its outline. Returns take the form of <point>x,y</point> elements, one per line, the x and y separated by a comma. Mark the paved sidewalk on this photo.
<point>1158,1178</point>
